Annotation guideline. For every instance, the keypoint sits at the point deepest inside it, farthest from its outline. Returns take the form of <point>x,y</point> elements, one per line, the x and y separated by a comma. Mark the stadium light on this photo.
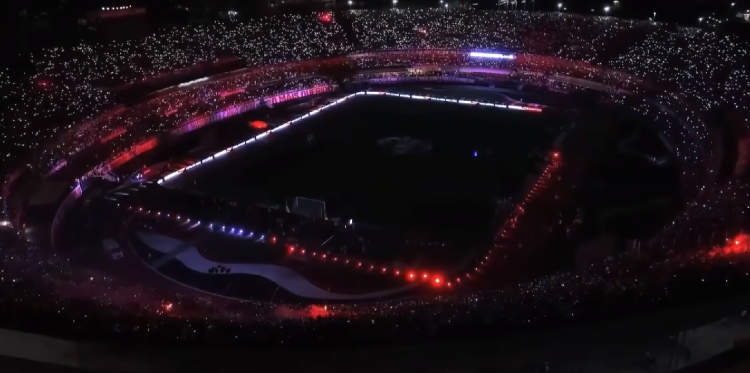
<point>606,10</point>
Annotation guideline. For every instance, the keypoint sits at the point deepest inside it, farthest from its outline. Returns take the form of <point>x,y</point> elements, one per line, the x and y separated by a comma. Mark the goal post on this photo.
<point>313,208</point>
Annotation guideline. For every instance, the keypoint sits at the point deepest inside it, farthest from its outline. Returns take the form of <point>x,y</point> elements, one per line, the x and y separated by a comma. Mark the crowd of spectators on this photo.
<point>671,76</point>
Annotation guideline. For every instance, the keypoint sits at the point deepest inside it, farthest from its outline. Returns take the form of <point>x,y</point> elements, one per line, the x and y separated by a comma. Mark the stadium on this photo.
<point>379,177</point>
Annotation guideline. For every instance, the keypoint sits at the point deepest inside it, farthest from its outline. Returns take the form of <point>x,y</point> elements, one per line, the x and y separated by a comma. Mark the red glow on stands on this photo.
<point>44,84</point>
<point>134,151</point>
<point>411,276</point>
<point>259,124</point>
<point>425,276</point>
<point>291,248</point>
<point>273,239</point>
<point>739,245</point>
<point>112,135</point>
<point>326,17</point>
<point>284,312</point>
<point>319,311</point>
<point>437,281</point>
<point>232,92</point>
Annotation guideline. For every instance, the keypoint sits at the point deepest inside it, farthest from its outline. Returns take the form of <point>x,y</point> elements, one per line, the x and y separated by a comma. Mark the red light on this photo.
<point>424,276</point>
<point>412,276</point>
<point>291,248</point>
<point>437,281</point>
<point>273,238</point>
<point>398,272</point>
<point>325,17</point>
<point>258,124</point>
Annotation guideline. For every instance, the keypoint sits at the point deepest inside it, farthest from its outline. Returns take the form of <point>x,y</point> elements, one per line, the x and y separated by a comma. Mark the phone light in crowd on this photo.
<point>499,56</point>
<point>476,154</point>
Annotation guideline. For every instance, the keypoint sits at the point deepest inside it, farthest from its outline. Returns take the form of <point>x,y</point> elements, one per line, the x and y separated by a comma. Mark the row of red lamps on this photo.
<point>409,275</point>
<point>510,222</point>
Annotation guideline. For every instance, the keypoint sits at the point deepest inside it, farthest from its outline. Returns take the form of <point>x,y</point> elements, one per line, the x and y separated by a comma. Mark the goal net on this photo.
<point>313,208</point>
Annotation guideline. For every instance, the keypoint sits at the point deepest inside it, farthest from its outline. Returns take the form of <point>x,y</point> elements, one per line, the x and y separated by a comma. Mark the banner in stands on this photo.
<point>195,123</point>
<point>406,79</point>
<point>135,151</point>
<point>421,69</point>
<point>292,95</point>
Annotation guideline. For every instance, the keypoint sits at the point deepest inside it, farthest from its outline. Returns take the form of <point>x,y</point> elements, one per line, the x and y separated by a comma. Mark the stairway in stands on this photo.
<point>524,247</point>
<point>346,23</point>
<point>621,44</point>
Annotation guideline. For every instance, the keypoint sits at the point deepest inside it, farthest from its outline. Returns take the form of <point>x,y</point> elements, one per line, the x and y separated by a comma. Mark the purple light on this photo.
<point>499,56</point>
